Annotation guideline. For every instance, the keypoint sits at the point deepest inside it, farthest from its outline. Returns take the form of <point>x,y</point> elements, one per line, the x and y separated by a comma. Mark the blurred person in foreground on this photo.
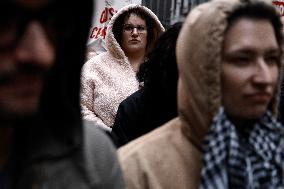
<point>155,103</point>
<point>226,135</point>
<point>110,77</point>
<point>43,142</point>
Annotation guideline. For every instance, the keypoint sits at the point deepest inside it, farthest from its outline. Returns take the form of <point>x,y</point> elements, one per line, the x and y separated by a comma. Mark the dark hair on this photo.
<point>118,26</point>
<point>160,71</point>
<point>258,11</point>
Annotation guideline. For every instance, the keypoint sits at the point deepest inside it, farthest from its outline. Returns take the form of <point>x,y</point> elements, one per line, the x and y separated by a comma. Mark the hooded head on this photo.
<point>42,51</point>
<point>200,54</point>
<point>114,37</point>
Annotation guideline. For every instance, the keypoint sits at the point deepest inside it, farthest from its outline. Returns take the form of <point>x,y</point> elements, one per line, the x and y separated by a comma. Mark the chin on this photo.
<point>22,112</point>
<point>16,116</point>
<point>255,113</point>
<point>252,113</point>
<point>20,108</point>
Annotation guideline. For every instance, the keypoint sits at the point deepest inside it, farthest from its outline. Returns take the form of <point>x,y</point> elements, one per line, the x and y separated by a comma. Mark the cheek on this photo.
<point>234,77</point>
<point>49,55</point>
<point>232,82</point>
<point>145,38</point>
<point>275,76</point>
<point>124,38</point>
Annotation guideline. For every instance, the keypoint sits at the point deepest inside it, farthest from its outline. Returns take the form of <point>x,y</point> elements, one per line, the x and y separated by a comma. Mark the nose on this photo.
<point>35,46</point>
<point>134,32</point>
<point>265,73</point>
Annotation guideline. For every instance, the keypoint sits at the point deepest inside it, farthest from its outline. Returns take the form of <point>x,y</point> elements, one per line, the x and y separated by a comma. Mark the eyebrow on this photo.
<point>35,4</point>
<point>249,50</point>
<point>127,24</point>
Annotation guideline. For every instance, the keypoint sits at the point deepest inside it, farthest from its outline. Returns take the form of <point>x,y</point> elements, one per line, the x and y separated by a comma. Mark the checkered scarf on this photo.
<point>233,159</point>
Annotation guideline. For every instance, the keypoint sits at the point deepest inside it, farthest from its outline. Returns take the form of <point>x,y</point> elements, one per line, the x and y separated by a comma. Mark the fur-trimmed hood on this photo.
<point>112,45</point>
<point>199,62</point>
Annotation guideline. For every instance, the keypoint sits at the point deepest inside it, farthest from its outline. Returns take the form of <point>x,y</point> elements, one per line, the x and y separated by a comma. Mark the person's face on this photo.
<point>23,62</point>
<point>249,68</point>
<point>134,35</point>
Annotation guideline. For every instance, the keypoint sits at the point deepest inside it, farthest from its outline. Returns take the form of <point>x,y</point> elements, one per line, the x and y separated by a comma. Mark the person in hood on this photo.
<point>43,142</point>
<point>156,102</point>
<point>110,77</point>
<point>226,134</point>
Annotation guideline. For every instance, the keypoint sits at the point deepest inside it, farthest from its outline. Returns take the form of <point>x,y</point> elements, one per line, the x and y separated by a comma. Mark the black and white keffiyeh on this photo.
<point>230,161</point>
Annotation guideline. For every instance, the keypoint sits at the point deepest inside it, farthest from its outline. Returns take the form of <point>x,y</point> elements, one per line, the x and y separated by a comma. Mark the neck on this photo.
<point>243,125</point>
<point>5,145</point>
<point>136,60</point>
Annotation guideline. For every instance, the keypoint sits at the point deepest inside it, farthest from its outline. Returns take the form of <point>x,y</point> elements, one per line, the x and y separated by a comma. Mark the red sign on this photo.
<point>100,31</point>
<point>280,6</point>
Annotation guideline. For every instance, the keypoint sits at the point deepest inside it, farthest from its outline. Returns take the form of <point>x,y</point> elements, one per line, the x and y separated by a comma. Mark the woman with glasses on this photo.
<point>156,102</point>
<point>110,77</point>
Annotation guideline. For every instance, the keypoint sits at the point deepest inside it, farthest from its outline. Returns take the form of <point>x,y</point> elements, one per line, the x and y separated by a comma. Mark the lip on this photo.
<point>134,41</point>
<point>262,97</point>
<point>23,85</point>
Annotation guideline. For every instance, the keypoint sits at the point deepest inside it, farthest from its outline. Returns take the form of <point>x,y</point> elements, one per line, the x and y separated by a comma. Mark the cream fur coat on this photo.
<point>108,78</point>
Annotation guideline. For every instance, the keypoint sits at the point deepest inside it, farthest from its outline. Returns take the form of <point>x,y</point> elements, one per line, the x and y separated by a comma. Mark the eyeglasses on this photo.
<point>14,20</point>
<point>130,28</point>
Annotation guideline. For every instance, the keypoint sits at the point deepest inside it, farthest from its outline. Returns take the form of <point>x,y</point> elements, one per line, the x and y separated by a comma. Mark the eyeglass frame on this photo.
<point>140,28</point>
<point>47,17</point>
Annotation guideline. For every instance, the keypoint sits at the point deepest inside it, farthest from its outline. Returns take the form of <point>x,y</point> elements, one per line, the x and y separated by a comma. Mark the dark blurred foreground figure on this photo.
<point>155,103</point>
<point>43,144</point>
<point>226,135</point>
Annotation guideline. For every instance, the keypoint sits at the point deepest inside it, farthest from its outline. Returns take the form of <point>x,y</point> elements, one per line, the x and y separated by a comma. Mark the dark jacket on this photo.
<point>155,103</point>
<point>139,114</point>
<point>55,149</point>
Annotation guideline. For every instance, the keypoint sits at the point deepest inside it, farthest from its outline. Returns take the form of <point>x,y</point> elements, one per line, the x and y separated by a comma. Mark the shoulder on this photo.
<point>164,158</point>
<point>94,61</point>
<point>157,138</point>
<point>133,101</point>
<point>136,95</point>
<point>101,158</point>
<point>95,137</point>
<point>98,65</point>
